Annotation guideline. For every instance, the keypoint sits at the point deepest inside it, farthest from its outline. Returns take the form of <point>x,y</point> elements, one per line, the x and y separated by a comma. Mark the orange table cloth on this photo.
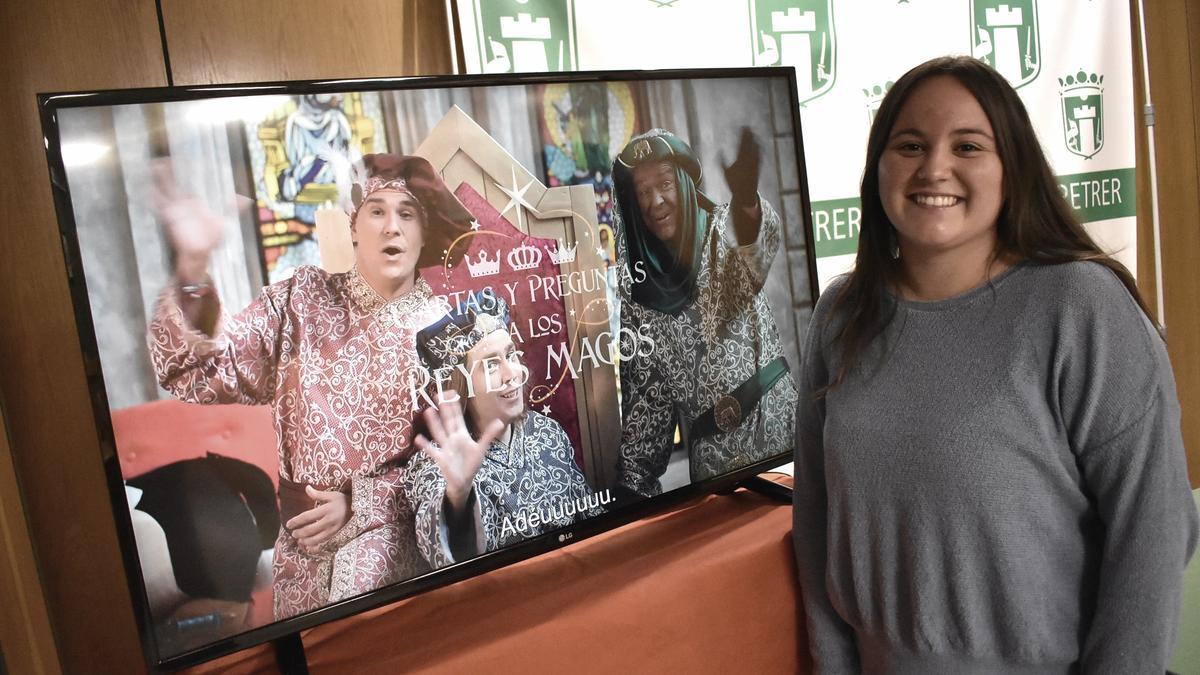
<point>708,586</point>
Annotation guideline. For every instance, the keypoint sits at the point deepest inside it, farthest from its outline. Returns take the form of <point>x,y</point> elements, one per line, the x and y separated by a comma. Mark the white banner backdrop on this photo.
<point>1070,60</point>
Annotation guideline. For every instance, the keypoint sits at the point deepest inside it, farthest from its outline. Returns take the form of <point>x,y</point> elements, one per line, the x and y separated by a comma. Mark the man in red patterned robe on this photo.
<point>331,354</point>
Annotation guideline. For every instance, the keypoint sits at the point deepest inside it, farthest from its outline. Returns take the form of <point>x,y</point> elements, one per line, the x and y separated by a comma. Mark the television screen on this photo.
<point>352,340</point>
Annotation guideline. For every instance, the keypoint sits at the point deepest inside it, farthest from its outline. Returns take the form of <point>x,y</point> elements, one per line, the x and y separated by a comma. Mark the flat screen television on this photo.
<point>609,273</point>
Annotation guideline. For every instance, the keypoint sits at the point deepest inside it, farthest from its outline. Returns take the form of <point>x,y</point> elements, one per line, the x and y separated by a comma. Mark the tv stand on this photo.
<point>763,486</point>
<point>768,488</point>
<point>289,654</point>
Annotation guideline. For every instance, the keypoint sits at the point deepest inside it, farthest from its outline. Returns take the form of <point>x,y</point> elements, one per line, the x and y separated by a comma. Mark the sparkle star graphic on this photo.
<point>475,225</point>
<point>600,251</point>
<point>516,197</point>
<point>546,409</point>
<point>572,312</point>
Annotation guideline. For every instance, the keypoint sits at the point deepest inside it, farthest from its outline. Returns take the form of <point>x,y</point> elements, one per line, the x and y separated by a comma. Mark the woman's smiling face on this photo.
<point>941,177</point>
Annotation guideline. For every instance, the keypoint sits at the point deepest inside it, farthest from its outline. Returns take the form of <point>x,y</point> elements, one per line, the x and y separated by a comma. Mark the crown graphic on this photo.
<point>1082,84</point>
<point>524,27</point>
<point>524,257</point>
<point>562,255</point>
<point>875,94</point>
<point>793,21</point>
<point>483,267</point>
<point>1002,16</point>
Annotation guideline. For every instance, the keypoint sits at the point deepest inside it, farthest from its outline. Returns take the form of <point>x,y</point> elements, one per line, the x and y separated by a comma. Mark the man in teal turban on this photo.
<point>696,271</point>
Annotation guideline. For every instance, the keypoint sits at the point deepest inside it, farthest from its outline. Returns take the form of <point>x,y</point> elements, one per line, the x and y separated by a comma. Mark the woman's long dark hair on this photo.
<point>1035,221</point>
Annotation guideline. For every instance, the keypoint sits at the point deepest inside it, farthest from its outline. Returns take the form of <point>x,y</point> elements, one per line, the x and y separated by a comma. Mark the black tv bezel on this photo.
<point>49,104</point>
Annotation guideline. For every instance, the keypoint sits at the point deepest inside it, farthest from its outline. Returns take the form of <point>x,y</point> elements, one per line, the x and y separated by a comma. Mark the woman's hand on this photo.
<point>317,525</point>
<point>192,229</point>
<point>456,454</point>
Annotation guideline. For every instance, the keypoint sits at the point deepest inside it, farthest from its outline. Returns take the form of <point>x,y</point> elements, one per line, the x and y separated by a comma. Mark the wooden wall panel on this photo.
<point>65,45</point>
<point>24,623</point>
<point>226,41</point>
<point>1146,276</point>
<point>1173,42</point>
<point>61,45</point>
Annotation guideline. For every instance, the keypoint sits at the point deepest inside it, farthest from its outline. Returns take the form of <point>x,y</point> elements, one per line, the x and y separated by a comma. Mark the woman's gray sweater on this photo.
<point>1000,486</point>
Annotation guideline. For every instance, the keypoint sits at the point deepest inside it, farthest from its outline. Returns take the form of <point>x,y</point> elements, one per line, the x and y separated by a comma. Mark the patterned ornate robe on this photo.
<point>717,342</point>
<point>332,358</point>
<point>525,488</point>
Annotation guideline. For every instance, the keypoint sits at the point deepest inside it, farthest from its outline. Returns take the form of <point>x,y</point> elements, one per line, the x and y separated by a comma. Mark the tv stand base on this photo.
<point>780,493</point>
<point>289,655</point>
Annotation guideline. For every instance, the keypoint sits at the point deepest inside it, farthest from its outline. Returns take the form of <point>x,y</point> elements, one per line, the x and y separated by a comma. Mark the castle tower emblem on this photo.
<point>1082,98</point>
<point>525,36</point>
<point>1005,34</point>
<point>797,33</point>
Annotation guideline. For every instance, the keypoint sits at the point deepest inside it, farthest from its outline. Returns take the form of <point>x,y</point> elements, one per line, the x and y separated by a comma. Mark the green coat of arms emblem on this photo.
<point>1005,34</point>
<point>797,33</point>
<point>1082,97</point>
<point>524,36</point>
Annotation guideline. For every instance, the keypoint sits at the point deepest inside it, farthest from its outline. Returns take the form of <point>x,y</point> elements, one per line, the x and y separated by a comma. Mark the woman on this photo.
<point>990,473</point>
<point>331,354</point>
<point>500,474</point>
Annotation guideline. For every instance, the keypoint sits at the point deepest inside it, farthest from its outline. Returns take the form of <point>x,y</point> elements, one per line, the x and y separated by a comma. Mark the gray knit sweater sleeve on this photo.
<point>831,640</point>
<point>1000,485</point>
<point>1119,405</point>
